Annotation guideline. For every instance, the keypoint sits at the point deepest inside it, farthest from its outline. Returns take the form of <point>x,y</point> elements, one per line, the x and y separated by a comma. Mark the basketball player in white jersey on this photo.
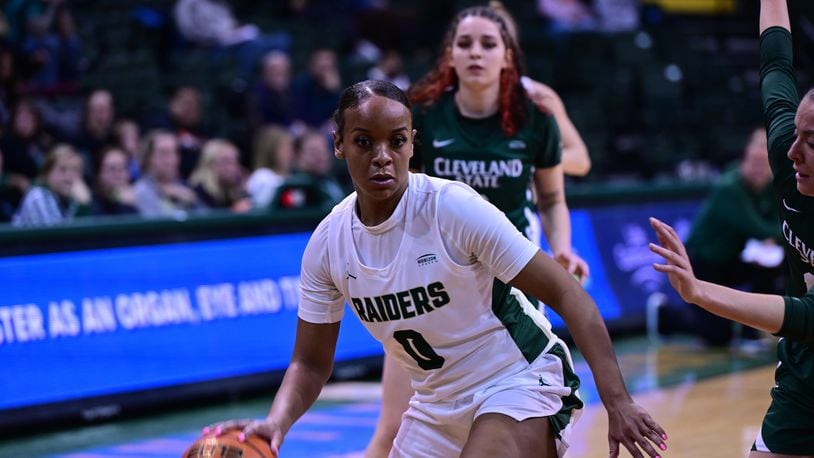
<point>430,268</point>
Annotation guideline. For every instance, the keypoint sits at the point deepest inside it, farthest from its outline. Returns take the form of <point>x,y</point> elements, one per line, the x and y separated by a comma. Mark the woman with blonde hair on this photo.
<point>272,158</point>
<point>218,178</point>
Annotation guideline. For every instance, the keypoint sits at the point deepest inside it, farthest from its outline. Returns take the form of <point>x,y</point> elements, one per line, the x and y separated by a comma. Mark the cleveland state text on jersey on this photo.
<point>475,173</point>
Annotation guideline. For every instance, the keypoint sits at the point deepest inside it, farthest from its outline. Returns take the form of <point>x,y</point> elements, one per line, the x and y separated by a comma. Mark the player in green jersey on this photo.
<point>788,427</point>
<point>476,124</point>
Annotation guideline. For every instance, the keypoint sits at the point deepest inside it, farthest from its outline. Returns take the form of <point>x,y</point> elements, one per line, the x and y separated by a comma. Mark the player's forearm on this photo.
<point>774,13</point>
<point>588,330</point>
<point>309,370</point>
<point>299,390</point>
<point>762,311</point>
<point>575,159</point>
<point>556,226</point>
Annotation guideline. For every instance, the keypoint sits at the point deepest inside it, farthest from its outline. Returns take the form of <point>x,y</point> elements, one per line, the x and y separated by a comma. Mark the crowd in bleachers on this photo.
<point>174,108</point>
<point>68,150</point>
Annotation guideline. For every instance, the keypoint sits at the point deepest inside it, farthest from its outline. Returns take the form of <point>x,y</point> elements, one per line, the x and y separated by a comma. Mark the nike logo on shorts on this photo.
<point>442,143</point>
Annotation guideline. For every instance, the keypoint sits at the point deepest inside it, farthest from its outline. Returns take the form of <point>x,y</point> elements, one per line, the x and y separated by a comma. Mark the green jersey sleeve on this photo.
<point>549,141</point>
<point>780,97</point>
<point>798,323</point>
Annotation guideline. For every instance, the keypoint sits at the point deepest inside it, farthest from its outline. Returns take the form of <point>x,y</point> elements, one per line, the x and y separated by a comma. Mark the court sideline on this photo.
<point>710,403</point>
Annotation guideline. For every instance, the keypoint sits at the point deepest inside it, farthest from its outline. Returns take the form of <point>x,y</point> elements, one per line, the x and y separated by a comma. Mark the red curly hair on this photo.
<point>511,96</point>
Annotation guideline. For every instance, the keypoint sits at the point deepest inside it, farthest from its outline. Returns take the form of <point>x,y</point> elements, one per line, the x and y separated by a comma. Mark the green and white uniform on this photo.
<point>478,153</point>
<point>788,427</point>
<point>425,284</point>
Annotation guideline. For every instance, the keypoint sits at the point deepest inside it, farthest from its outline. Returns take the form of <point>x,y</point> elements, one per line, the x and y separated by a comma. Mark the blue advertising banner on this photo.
<point>89,323</point>
<point>597,284</point>
<point>614,241</point>
<point>623,233</point>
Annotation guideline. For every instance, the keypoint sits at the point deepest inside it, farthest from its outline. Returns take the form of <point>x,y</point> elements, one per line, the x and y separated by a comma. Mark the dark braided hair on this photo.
<point>354,95</point>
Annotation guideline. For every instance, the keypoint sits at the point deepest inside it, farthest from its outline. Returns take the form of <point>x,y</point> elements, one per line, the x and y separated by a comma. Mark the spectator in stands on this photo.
<point>617,15</point>
<point>317,91</point>
<point>567,15</point>
<point>70,49</point>
<point>390,67</point>
<point>59,195</point>
<point>160,191</point>
<point>739,210</point>
<point>184,118</point>
<point>97,125</point>
<point>46,34</point>
<point>9,81</point>
<point>113,192</point>
<point>219,180</point>
<point>211,23</point>
<point>271,100</point>
<point>10,196</point>
<point>314,164</point>
<point>20,13</point>
<point>128,136</point>
<point>24,144</point>
<point>272,157</point>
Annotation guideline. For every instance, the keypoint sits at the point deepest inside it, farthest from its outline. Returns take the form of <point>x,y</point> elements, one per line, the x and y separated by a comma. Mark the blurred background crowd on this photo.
<point>174,108</point>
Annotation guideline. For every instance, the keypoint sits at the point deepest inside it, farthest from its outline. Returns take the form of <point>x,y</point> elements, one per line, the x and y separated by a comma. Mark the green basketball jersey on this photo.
<point>780,100</point>
<point>478,153</point>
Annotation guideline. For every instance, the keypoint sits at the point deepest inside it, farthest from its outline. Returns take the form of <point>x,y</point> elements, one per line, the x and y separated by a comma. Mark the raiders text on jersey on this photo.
<point>401,305</point>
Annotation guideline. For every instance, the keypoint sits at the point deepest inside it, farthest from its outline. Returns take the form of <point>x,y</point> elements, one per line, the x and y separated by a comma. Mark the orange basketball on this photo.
<point>227,445</point>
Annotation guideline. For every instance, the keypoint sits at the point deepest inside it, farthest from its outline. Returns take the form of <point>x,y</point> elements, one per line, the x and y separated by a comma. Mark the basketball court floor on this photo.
<point>710,402</point>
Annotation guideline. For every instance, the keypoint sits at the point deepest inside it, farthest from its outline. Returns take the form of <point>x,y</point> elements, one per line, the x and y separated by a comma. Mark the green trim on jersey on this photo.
<point>531,340</point>
<point>476,152</point>
<point>561,419</point>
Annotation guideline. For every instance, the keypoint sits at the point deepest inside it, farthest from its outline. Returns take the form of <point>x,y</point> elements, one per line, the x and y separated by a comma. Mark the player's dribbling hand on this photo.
<point>264,428</point>
<point>630,425</point>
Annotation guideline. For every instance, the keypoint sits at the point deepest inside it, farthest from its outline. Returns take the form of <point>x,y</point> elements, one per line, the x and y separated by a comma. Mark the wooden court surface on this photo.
<point>709,402</point>
<point>713,418</point>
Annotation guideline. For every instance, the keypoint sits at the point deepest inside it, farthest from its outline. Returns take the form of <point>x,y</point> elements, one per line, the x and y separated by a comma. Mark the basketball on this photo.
<point>227,445</point>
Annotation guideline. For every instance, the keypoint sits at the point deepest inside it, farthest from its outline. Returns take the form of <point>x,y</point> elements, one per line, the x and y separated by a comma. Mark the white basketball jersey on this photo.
<point>452,326</point>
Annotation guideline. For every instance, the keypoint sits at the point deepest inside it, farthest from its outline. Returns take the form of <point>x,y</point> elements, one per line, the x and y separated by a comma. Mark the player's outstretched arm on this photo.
<point>628,423</point>
<point>762,311</point>
<point>774,13</point>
